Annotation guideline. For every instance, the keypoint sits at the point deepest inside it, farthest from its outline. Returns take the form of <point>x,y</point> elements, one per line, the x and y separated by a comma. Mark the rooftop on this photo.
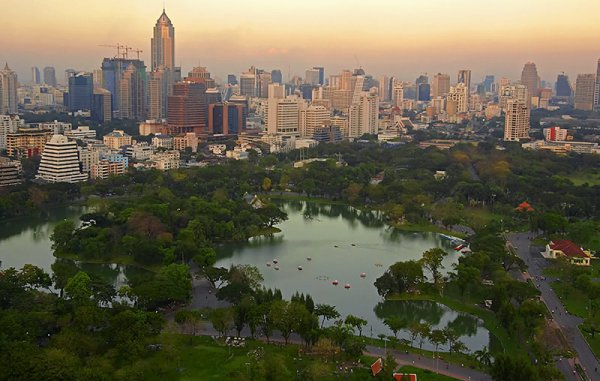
<point>569,248</point>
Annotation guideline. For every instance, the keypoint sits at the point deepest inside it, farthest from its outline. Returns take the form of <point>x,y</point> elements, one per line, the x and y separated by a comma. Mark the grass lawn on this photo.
<point>203,358</point>
<point>424,375</point>
<point>580,178</point>
<point>125,260</point>
<point>479,217</point>
<point>594,342</point>
<point>575,301</point>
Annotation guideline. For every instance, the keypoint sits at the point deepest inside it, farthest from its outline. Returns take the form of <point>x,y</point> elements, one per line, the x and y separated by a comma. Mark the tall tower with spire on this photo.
<point>8,91</point>
<point>163,43</point>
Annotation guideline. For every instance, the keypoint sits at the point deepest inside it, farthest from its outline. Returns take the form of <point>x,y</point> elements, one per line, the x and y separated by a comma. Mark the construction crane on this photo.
<point>118,47</point>
<point>138,51</point>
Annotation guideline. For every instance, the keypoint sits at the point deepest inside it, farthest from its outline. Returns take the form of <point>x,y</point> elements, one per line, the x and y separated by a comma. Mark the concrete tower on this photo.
<point>163,44</point>
<point>8,91</point>
<point>531,79</point>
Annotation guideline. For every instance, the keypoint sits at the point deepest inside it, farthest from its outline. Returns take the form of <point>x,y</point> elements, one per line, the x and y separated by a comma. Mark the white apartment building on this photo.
<point>9,124</point>
<point>516,126</point>
<point>364,115</point>
<point>311,118</point>
<point>60,161</point>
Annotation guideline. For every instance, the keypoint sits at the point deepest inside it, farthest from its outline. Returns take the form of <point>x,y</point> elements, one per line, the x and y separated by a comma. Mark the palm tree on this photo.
<point>484,357</point>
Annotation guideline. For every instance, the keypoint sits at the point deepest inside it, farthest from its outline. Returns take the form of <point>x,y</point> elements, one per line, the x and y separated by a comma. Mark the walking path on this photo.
<point>568,324</point>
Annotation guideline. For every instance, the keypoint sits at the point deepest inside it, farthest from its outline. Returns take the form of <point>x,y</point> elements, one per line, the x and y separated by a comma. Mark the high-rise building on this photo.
<point>311,118</point>
<point>60,161</point>
<point>81,90</point>
<point>321,74</point>
<point>163,44</point>
<point>440,85</point>
<point>282,116</point>
<point>531,79</point>
<point>384,88</point>
<point>488,83</point>
<point>363,116</point>
<point>232,79</point>
<point>597,88</point>
<point>458,99</point>
<point>262,84</point>
<point>227,118</point>
<point>159,88</point>
<point>68,74</point>
<point>464,76</point>
<point>423,92</point>
<point>398,94</point>
<point>248,83</point>
<point>188,108</point>
<point>516,126</point>
<point>35,75</point>
<point>508,91</point>
<point>101,105</point>
<point>563,86</point>
<point>8,91</point>
<point>585,87</point>
<point>113,71</point>
<point>555,134</point>
<point>50,76</point>
<point>9,124</point>
<point>312,76</point>
<point>132,94</point>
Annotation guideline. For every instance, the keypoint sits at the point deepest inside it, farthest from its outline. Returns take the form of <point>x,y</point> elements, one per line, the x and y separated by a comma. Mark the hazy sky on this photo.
<point>394,37</point>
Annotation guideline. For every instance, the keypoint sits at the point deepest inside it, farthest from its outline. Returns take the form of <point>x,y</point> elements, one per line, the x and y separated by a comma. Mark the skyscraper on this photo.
<point>132,94</point>
<point>458,99</point>
<point>384,88</point>
<point>364,115</point>
<point>311,77</point>
<point>113,70</point>
<point>516,125</point>
<point>276,76</point>
<point>597,88</point>
<point>188,108</point>
<point>159,83</point>
<point>464,76</point>
<point>531,79</point>
<point>68,74</point>
<point>101,105</point>
<point>50,76</point>
<point>8,91</point>
<point>488,82</point>
<point>321,71</point>
<point>440,85</point>
<point>563,86</point>
<point>248,83</point>
<point>585,88</point>
<point>163,43</point>
<point>232,79</point>
<point>81,90</point>
<point>35,75</point>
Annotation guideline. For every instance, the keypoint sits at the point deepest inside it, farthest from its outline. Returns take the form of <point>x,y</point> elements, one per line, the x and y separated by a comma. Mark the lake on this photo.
<point>343,243</point>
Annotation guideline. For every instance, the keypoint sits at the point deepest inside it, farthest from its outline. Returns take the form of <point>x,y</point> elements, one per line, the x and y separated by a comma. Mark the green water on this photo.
<point>27,240</point>
<point>343,243</point>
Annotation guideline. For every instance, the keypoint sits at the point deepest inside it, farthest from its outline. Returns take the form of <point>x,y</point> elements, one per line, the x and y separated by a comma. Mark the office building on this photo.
<point>321,71</point>
<point>113,70</point>
<point>282,116</point>
<point>585,88</point>
<point>424,92</point>
<point>232,79</point>
<point>458,99</point>
<point>597,88</point>
<point>60,162</point>
<point>101,105</point>
<point>8,91</point>
<point>516,126</point>
<point>188,108</point>
<point>311,77</point>
<point>132,94</point>
<point>159,88</point>
<point>311,118</point>
<point>163,44</point>
<point>262,84</point>
<point>563,86</point>
<point>81,91</point>
<point>464,76</point>
<point>488,83</point>
<point>9,124</point>
<point>384,89</point>
<point>398,94</point>
<point>35,76</point>
<point>50,76</point>
<point>363,116</point>
<point>531,79</point>
<point>227,118</point>
<point>248,83</point>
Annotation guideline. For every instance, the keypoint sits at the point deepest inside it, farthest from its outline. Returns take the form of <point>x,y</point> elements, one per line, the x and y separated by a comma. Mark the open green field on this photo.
<point>575,301</point>
<point>424,375</point>
<point>580,178</point>
<point>594,342</point>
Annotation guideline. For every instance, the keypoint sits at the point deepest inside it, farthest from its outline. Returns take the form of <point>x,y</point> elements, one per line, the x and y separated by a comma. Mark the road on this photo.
<point>521,242</point>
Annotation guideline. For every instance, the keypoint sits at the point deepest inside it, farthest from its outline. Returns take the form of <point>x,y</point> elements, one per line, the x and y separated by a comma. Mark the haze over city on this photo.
<point>403,38</point>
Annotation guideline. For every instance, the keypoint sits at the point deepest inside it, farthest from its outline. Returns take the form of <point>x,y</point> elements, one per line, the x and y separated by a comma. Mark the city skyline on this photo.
<point>432,36</point>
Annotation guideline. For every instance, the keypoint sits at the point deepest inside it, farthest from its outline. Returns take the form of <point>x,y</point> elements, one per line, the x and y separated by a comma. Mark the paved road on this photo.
<point>566,322</point>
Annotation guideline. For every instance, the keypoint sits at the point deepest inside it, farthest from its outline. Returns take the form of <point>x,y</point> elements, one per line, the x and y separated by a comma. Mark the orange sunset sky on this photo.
<point>393,37</point>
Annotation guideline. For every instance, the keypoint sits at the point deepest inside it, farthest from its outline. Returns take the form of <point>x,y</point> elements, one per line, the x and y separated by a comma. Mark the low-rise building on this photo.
<point>81,133</point>
<point>139,151</point>
<point>60,161</point>
<point>105,168</point>
<point>117,139</point>
<point>162,141</point>
<point>27,142</point>
<point>188,140</point>
<point>567,249</point>
<point>10,172</point>
<point>165,161</point>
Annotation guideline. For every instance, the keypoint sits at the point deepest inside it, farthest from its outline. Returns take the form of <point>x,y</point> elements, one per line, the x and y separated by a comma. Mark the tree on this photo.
<point>215,275</point>
<point>78,288</point>
<point>437,337</point>
<point>424,331</point>
<point>266,184</point>
<point>62,236</point>
<point>432,261</point>
<point>506,367</point>
<point>400,277</point>
<point>327,312</point>
<point>222,320</point>
<point>483,356</point>
<point>356,322</point>
<point>395,324</point>
<point>466,276</point>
